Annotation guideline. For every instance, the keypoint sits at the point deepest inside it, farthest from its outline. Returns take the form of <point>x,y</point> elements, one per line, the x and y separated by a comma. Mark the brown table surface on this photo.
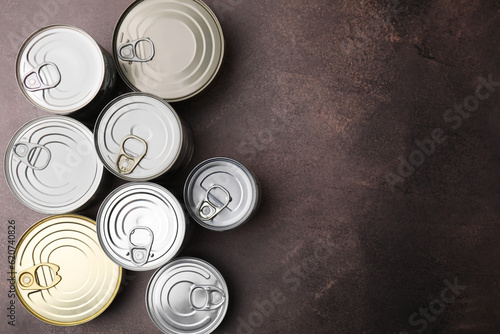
<point>323,99</point>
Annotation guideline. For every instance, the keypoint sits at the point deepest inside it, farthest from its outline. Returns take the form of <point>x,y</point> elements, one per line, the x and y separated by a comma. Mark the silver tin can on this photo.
<point>51,165</point>
<point>169,48</point>
<point>140,137</point>
<point>221,194</point>
<point>141,226</point>
<point>187,296</point>
<point>62,70</point>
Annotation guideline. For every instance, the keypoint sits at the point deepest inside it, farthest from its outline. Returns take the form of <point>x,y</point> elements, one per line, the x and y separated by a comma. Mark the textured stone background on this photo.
<point>321,99</point>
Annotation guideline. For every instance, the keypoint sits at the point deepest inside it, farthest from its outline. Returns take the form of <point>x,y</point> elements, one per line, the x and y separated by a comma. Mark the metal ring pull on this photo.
<point>32,81</point>
<point>29,154</point>
<point>209,209</point>
<point>139,252</point>
<point>127,163</point>
<point>209,300</point>
<point>29,279</point>
<point>128,51</point>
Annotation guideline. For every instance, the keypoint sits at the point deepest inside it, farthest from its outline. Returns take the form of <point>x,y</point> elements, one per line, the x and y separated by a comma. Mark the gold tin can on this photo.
<point>61,274</point>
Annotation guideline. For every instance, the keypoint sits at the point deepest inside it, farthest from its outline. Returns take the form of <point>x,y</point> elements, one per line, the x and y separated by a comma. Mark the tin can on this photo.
<point>221,194</point>
<point>140,137</point>
<point>61,274</point>
<point>61,69</point>
<point>187,296</point>
<point>169,48</point>
<point>51,165</point>
<point>141,226</point>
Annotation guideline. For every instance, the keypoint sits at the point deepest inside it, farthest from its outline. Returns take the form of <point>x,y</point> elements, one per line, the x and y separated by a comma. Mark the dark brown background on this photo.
<point>320,98</point>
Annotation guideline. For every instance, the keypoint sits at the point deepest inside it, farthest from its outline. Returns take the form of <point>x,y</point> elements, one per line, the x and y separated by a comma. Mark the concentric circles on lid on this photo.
<point>60,69</point>
<point>221,193</point>
<point>61,274</point>
<point>187,296</point>
<point>51,165</point>
<point>141,226</point>
<point>138,137</point>
<point>169,48</point>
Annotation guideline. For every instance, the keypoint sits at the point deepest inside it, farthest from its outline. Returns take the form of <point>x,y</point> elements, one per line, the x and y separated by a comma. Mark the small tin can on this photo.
<point>221,194</point>
<point>169,48</point>
<point>62,70</point>
<point>187,296</point>
<point>141,226</point>
<point>140,137</point>
<point>61,274</point>
<point>51,165</point>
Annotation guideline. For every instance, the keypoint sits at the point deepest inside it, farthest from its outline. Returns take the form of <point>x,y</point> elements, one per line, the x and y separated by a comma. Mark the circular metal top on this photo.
<point>61,274</point>
<point>60,69</point>
<point>141,226</point>
<point>51,165</point>
<point>169,48</point>
<point>221,193</point>
<point>187,296</point>
<point>138,136</point>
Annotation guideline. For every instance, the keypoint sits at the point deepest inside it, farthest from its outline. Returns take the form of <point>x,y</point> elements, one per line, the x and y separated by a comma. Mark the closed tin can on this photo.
<point>141,226</point>
<point>187,296</point>
<point>62,70</point>
<point>51,165</point>
<point>140,137</point>
<point>61,274</point>
<point>221,194</point>
<point>169,48</point>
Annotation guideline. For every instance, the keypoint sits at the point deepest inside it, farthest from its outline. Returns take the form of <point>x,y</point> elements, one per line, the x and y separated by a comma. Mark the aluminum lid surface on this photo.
<point>221,193</point>
<point>51,165</point>
<point>169,48</point>
<point>187,296</point>
<point>61,274</point>
<point>142,131</point>
<point>141,226</point>
<point>60,69</point>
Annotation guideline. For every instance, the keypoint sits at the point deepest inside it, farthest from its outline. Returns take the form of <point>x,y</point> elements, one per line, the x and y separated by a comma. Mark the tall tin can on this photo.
<point>141,226</point>
<point>61,274</point>
<point>51,165</point>
<point>61,69</point>
<point>221,194</point>
<point>169,48</point>
<point>187,296</point>
<point>140,137</point>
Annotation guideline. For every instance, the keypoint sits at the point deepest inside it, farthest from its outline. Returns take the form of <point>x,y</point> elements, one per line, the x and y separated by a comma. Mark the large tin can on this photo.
<point>141,226</point>
<point>51,165</point>
<point>187,296</point>
<point>169,48</point>
<point>140,137</point>
<point>221,194</point>
<point>62,70</point>
<point>61,274</point>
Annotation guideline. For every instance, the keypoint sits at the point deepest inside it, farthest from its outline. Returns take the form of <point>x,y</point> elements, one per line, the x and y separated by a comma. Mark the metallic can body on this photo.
<point>61,274</point>
<point>221,194</point>
<point>141,226</point>
<point>140,137</point>
<point>187,296</point>
<point>62,70</point>
<point>169,48</point>
<point>51,165</point>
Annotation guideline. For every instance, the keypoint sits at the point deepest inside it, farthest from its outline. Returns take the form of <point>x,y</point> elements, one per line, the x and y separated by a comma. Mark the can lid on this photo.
<point>51,165</point>
<point>138,136</point>
<point>60,69</point>
<point>169,48</point>
<point>187,296</point>
<point>141,226</point>
<point>61,274</point>
<point>221,193</point>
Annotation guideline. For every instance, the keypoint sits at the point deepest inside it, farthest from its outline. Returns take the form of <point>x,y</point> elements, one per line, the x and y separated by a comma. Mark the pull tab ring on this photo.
<point>26,151</point>
<point>208,209</point>
<point>32,81</point>
<point>128,51</point>
<point>127,163</point>
<point>209,290</point>
<point>139,253</point>
<point>28,279</point>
